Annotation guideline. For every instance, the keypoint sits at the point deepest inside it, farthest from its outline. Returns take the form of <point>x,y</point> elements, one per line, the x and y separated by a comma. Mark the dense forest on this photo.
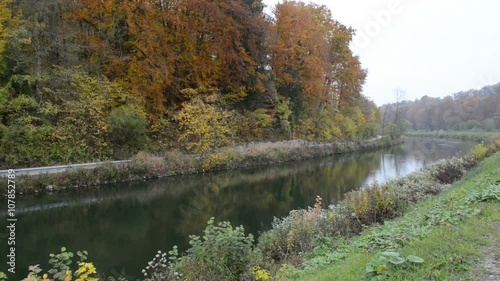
<point>86,80</point>
<point>473,110</point>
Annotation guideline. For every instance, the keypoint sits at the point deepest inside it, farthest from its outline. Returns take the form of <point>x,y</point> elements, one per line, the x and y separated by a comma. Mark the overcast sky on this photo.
<point>425,47</point>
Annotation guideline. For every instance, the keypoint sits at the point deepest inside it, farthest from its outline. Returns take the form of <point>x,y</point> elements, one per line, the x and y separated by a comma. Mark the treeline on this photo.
<point>473,110</point>
<point>85,79</point>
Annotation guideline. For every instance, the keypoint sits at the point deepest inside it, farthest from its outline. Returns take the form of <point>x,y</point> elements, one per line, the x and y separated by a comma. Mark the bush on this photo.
<point>27,145</point>
<point>447,171</point>
<point>205,126</point>
<point>224,253</point>
<point>222,159</point>
<point>62,268</point>
<point>414,188</point>
<point>154,166</point>
<point>178,162</point>
<point>293,234</point>
<point>373,204</point>
<point>127,127</point>
<point>480,151</point>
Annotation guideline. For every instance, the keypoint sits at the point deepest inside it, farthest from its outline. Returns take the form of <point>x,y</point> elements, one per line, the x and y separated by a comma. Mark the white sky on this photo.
<point>426,47</point>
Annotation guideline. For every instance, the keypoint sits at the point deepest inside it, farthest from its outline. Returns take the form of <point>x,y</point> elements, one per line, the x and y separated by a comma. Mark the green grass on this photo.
<point>463,135</point>
<point>446,231</point>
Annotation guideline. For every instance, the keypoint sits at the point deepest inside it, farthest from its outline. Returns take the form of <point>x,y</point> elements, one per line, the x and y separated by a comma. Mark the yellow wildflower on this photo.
<point>68,276</point>
<point>85,269</point>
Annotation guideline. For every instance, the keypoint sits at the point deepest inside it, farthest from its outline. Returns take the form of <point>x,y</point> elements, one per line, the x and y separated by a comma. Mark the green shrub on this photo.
<point>127,127</point>
<point>293,234</point>
<point>371,205</point>
<point>28,145</point>
<point>223,253</point>
<point>480,151</point>
<point>63,269</point>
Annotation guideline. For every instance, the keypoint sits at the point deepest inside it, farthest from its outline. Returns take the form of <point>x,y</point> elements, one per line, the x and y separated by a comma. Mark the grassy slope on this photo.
<point>450,246</point>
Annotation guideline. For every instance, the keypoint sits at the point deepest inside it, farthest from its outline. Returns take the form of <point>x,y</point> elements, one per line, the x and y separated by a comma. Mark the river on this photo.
<point>123,225</point>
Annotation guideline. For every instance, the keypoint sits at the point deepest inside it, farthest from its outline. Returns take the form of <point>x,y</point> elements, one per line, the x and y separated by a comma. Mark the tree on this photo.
<point>400,96</point>
<point>311,60</point>
<point>5,16</point>
<point>205,126</point>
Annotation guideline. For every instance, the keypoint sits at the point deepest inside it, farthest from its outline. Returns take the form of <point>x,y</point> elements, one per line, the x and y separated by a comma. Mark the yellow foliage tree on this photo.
<point>5,15</point>
<point>205,126</point>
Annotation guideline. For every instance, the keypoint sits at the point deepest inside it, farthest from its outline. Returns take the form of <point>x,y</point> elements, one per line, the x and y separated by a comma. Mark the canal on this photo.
<point>123,225</point>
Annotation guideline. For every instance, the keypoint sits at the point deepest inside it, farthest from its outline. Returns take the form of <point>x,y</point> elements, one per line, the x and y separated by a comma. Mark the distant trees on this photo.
<point>470,110</point>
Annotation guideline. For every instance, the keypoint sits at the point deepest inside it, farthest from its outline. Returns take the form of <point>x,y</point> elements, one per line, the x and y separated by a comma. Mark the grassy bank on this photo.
<point>463,135</point>
<point>172,163</point>
<point>450,232</point>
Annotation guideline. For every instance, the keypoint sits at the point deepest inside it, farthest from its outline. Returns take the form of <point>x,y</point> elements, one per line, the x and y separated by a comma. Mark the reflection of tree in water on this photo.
<point>280,190</point>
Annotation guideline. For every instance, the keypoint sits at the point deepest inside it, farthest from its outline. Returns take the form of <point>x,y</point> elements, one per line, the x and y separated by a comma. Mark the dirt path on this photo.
<point>489,269</point>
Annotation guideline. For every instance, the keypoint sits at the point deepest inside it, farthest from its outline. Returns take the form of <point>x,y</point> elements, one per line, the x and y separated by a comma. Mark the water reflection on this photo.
<point>123,225</point>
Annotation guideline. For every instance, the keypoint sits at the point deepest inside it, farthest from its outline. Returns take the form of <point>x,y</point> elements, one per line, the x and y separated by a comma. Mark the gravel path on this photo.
<point>490,268</point>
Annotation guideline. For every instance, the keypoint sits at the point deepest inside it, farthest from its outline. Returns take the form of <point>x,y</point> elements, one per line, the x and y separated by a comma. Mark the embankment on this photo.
<point>173,163</point>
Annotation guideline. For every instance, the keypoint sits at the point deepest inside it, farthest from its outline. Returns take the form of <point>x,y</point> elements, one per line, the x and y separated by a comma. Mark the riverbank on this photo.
<point>174,163</point>
<point>456,234</point>
<point>462,135</point>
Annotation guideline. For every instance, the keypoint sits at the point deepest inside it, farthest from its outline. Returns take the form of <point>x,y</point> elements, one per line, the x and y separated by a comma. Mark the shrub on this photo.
<point>222,159</point>
<point>285,272</point>
<point>178,162</point>
<point>204,126</point>
<point>479,151</point>
<point>414,188</point>
<point>163,267</point>
<point>62,268</point>
<point>373,204</point>
<point>447,171</point>
<point>153,165</point>
<point>127,127</point>
<point>293,234</point>
<point>224,253</point>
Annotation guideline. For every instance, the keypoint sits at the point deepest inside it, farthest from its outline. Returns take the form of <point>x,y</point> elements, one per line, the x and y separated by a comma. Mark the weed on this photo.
<point>382,265</point>
<point>492,193</point>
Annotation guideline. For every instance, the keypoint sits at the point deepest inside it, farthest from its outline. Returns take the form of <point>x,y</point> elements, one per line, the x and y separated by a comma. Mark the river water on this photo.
<point>122,226</point>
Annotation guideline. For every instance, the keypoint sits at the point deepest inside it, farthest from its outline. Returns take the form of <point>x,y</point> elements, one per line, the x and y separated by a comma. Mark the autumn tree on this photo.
<point>79,74</point>
<point>300,52</point>
<point>5,16</point>
<point>205,125</point>
<point>311,58</point>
